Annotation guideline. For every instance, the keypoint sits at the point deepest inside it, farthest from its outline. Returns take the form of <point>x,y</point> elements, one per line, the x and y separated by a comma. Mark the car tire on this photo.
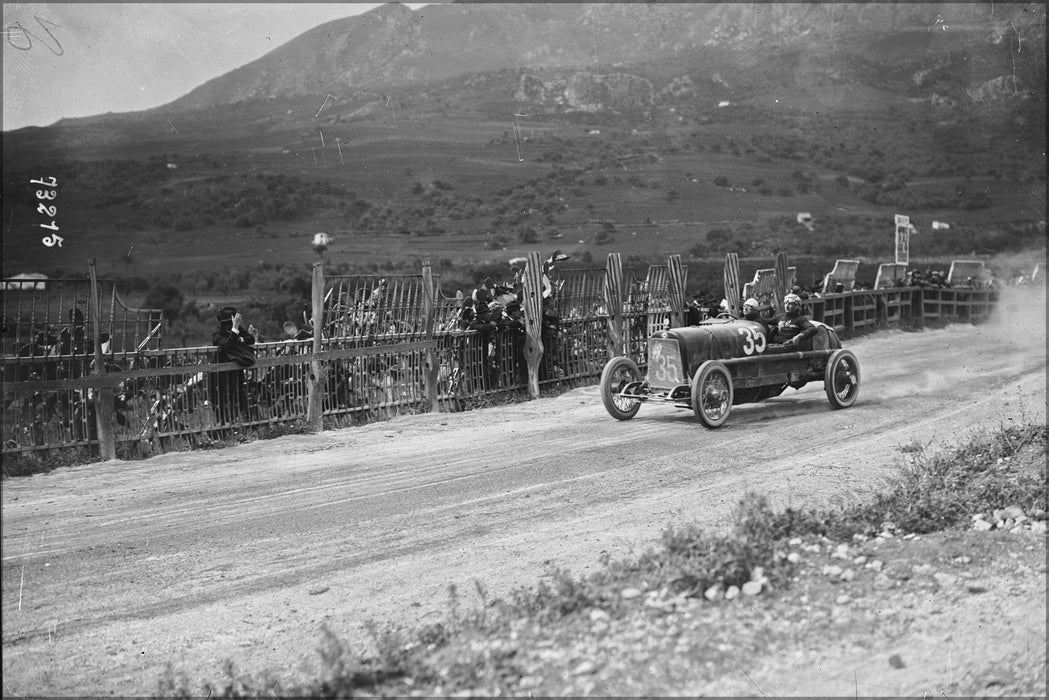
<point>617,373</point>
<point>712,394</point>
<point>841,379</point>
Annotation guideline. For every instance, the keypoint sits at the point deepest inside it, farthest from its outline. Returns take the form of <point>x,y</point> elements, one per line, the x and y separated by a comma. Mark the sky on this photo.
<point>81,59</point>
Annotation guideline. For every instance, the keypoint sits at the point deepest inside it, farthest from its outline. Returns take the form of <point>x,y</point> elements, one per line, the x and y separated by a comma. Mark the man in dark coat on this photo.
<point>227,390</point>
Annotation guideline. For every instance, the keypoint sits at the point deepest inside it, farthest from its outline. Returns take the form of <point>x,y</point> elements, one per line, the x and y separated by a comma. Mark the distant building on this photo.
<point>724,103</point>
<point>805,219</point>
<point>940,226</point>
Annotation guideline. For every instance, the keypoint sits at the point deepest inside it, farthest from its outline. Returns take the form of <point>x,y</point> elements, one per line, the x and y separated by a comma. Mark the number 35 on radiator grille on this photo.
<point>664,363</point>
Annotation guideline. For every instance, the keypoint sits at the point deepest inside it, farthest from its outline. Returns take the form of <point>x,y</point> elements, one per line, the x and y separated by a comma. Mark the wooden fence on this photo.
<point>390,345</point>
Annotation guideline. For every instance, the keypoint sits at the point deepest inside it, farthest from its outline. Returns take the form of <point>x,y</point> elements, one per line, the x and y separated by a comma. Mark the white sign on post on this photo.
<point>903,239</point>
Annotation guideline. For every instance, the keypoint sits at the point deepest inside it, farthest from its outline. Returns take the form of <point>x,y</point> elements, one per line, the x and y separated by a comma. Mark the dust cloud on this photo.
<point>1010,346</point>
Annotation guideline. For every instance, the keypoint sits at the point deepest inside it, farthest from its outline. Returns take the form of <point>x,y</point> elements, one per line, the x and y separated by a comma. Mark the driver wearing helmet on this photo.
<point>792,327</point>
<point>752,312</point>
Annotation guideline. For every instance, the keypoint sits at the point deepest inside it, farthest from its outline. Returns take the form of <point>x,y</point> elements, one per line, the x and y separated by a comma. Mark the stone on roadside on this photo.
<point>714,592</point>
<point>732,592</point>
<point>1013,513</point>
<point>883,582</point>
<point>923,569</point>
<point>599,615</point>
<point>793,557</point>
<point>584,668</point>
<point>832,570</point>
<point>752,587</point>
<point>945,580</point>
<point>843,599</point>
<point>629,593</point>
<point>841,552</point>
<point>1038,527</point>
<point>847,575</point>
<point>982,525</point>
<point>875,564</point>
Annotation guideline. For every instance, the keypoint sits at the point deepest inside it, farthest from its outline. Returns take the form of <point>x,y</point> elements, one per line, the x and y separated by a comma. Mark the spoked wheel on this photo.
<point>841,379</point>
<point>617,375</point>
<point>712,394</point>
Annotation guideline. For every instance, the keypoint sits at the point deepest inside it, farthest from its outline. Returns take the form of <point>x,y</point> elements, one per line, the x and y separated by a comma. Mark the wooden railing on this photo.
<point>403,352</point>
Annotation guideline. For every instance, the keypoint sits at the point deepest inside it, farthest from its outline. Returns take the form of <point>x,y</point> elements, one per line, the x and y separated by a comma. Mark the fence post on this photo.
<point>850,315</point>
<point>918,305</point>
<point>104,418</point>
<point>430,365</point>
<point>533,312</point>
<point>676,291</point>
<point>315,387</point>
<point>614,304</point>
<point>733,288</point>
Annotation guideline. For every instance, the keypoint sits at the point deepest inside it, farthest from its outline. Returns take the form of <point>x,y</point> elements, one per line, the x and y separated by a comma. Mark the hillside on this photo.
<point>470,133</point>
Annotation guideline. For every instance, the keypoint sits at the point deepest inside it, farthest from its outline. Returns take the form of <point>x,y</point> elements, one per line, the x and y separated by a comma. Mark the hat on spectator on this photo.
<point>226,313</point>
<point>791,297</point>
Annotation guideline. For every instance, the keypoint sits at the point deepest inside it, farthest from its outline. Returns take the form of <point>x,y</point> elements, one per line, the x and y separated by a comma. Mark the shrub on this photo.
<point>165,296</point>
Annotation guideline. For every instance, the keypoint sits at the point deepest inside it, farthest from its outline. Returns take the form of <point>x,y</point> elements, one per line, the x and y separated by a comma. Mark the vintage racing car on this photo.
<point>722,362</point>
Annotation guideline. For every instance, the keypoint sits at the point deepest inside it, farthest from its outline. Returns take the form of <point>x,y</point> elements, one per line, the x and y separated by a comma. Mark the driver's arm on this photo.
<point>808,330</point>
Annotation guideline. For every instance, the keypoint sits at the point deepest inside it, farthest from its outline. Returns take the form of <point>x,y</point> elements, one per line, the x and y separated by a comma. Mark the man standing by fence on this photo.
<point>227,390</point>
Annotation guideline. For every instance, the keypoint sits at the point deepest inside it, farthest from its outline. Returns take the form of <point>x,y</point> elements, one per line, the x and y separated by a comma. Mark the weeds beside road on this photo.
<point>935,584</point>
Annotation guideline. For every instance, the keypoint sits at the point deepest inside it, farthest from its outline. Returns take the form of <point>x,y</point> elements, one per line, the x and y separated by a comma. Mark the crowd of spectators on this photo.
<point>492,309</point>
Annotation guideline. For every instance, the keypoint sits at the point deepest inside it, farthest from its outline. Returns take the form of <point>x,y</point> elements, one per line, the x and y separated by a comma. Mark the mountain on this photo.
<point>392,47</point>
<point>466,133</point>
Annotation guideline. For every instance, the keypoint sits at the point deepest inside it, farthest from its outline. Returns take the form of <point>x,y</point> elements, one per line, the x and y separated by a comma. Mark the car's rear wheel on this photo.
<point>841,379</point>
<point>618,373</point>
<point>712,394</point>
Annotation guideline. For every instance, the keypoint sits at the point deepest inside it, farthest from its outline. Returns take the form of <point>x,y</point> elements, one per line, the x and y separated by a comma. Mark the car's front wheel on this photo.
<point>841,380</point>
<point>712,394</point>
<point>618,373</point>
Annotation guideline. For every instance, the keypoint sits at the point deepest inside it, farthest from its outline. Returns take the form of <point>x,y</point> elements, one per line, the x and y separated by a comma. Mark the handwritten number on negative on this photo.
<point>12,30</point>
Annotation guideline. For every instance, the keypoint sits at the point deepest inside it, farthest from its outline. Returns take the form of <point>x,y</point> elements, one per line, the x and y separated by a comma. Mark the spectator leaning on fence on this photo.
<point>227,390</point>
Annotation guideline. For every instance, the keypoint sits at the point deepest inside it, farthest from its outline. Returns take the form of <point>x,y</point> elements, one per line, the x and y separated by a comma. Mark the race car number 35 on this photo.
<point>753,342</point>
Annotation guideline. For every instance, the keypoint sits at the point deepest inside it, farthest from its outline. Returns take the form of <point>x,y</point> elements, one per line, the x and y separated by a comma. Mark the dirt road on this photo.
<point>111,571</point>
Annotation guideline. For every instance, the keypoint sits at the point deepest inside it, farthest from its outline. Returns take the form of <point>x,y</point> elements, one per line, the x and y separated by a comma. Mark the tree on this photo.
<point>167,297</point>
